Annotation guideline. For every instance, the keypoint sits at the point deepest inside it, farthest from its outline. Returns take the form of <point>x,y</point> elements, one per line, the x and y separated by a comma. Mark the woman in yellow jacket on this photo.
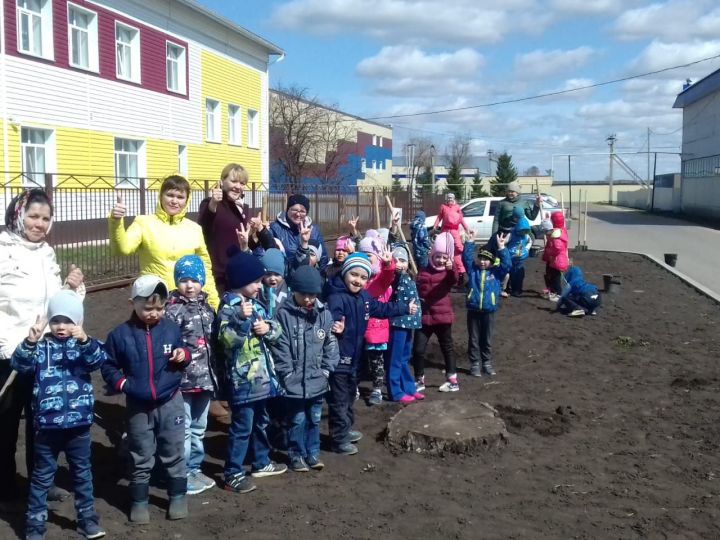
<point>163,238</point>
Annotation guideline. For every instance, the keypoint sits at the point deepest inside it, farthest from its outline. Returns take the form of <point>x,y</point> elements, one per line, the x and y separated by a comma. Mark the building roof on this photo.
<point>227,23</point>
<point>695,92</point>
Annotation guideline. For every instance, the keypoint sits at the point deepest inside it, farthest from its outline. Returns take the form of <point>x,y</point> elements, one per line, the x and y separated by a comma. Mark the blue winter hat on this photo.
<point>190,267</point>
<point>357,260</point>
<point>243,269</point>
<point>274,261</point>
<point>306,279</point>
<point>66,303</point>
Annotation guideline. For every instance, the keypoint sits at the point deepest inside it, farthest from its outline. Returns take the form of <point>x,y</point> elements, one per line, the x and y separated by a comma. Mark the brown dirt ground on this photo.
<point>610,438</point>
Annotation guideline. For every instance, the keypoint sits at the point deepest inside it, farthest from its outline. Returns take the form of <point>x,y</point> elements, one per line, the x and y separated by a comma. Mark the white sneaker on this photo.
<point>577,313</point>
<point>553,297</point>
<point>451,385</point>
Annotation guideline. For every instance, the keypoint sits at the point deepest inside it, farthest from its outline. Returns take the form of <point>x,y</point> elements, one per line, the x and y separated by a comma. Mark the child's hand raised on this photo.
<point>338,327</point>
<point>260,327</point>
<point>79,334</point>
<point>386,256</point>
<point>412,308</point>
<point>449,264</point>
<point>36,329</point>
<point>502,240</point>
<point>246,309</point>
<point>178,356</point>
<point>352,223</point>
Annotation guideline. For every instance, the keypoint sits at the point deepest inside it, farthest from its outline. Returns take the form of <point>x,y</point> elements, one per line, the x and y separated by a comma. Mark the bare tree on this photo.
<point>307,138</point>
<point>457,155</point>
<point>532,171</point>
<point>422,156</point>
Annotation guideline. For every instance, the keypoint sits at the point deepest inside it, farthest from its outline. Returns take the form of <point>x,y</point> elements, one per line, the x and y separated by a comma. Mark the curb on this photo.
<point>699,287</point>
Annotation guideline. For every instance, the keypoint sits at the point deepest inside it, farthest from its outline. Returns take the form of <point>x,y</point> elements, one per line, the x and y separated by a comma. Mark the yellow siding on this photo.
<point>228,83</point>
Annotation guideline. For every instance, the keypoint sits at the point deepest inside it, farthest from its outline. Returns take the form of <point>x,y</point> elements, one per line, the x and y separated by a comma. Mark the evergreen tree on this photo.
<point>423,182</point>
<point>455,183</point>
<point>396,186</point>
<point>477,187</point>
<point>505,173</point>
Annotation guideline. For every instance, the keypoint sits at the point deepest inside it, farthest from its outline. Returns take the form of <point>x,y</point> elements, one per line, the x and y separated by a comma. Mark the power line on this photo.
<point>548,94</point>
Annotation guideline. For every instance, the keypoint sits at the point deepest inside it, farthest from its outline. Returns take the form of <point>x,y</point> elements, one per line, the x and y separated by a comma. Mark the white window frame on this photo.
<point>132,181</point>
<point>212,112</point>
<point>92,39</point>
<point>134,48</point>
<point>182,160</point>
<point>45,24</point>
<point>253,128</point>
<point>180,64</point>
<point>380,141</point>
<point>374,142</point>
<point>48,153</point>
<point>234,125</point>
<point>363,165</point>
<point>374,165</point>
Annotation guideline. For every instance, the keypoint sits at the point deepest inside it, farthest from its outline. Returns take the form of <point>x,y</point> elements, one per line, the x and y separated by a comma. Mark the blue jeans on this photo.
<point>197,405</point>
<point>304,426</point>
<point>399,379</point>
<point>75,442</point>
<point>247,432</point>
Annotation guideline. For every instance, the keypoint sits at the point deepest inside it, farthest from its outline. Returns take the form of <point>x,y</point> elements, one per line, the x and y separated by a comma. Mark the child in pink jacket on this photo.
<point>377,335</point>
<point>556,256</point>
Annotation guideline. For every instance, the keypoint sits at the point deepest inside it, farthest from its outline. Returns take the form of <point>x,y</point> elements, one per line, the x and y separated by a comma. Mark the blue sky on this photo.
<point>377,58</point>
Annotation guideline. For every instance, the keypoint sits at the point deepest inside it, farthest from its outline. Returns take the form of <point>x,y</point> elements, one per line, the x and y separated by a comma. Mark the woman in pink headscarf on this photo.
<point>451,217</point>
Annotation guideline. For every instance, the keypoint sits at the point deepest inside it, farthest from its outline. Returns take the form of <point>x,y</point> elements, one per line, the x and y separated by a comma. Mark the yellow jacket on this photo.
<point>160,241</point>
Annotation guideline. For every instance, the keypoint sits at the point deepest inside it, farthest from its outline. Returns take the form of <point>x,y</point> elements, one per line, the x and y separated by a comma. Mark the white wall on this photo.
<point>701,197</point>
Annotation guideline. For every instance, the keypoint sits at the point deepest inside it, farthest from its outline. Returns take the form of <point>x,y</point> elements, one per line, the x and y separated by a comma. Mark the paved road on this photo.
<point>698,247</point>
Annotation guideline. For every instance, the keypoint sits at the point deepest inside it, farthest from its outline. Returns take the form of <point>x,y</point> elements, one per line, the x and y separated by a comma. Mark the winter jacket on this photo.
<point>357,310</point>
<point>62,389</point>
<point>556,244</point>
<point>519,243</point>
<point>160,241</point>
<point>434,288</point>
<point>576,284</point>
<point>380,288</point>
<point>219,232</point>
<point>195,319</point>
<point>29,276</point>
<point>247,372</point>
<point>289,235</point>
<point>138,360</point>
<point>405,291</point>
<point>307,351</point>
<point>504,212</point>
<point>484,286</point>
<point>273,298</point>
<point>420,240</point>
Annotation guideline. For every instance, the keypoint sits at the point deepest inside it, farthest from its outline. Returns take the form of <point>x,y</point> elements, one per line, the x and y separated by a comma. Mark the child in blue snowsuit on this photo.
<point>349,301</point>
<point>519,248</point>
<point>400,382</point>
<point>579,297</point>
<point>420,239</point>
<point>484,287</point>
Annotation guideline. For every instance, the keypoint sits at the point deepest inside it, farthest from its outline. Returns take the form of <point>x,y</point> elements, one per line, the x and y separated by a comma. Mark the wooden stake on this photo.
<point>411,259</point>
<point>377,209</point>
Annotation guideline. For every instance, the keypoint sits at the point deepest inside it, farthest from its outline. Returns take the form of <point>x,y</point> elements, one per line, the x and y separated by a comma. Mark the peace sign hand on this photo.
<point>352,223</point>
<point>502,240</point>
<point>243,236</point>
<point>36,329</point>
<point>305,236</point>
<point>118,210</point>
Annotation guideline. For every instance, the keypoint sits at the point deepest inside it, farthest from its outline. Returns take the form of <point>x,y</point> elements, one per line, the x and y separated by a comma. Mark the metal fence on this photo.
<point>82,204</point>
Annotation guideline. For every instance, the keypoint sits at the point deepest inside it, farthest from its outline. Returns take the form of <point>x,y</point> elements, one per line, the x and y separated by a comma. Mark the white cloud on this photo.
<point>588,7</point>
<point>660,55</point>
<point>465,22</point>
<point>675,20</point>
<point>541,63</point>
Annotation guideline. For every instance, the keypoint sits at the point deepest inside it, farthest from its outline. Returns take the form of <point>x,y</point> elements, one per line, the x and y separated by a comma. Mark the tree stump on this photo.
<point>438,427</point>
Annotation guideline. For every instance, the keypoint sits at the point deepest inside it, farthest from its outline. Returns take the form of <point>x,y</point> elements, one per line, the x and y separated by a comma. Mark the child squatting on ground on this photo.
<point>244,335</point>
<point>483,298</point>
<point>350,303</point>
<point>146,359</point>
<point>306,354</point>
<point>579,298</point>
<point>60,363</point>
<point>188,308</point>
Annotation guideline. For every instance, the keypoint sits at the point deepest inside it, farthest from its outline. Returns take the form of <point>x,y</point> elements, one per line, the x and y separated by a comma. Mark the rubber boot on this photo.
<point>177,490</point>
<point>139,511</point>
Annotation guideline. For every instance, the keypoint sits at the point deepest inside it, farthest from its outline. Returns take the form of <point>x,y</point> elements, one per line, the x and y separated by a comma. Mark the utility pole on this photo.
<point>411,167</point>
<point>611,141</point>
<point>432,167</point>
<point>648,152</point>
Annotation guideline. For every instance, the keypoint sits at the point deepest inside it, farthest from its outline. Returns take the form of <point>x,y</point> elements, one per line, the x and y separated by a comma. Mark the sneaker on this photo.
<point>357,394</point>
<point>57,494</point>
<point>355,436</point>
<point>577,313</point>
<point>298,464</point>
<point>206,480</point>
<point>90,529</point>
<point>594,312</point>
<point>348,449</point>
<point>545,293</point>
<point>271,469</point>
<point>451,385</point>
<point>476,370</point>
<point>420,384</point>
<point>375,397</point>
<point>553,297</point>
<point>406,399</point>
<point>240,483</point>
<point>487,369</point>
<point>418,396</point>
<point>35,536</point>
<point>504,294</point>
<point>315,463</point>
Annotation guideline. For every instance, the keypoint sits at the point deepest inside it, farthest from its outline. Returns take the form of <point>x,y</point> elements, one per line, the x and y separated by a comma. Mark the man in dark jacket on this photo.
<point>146,358</point>
<point>504,213</point>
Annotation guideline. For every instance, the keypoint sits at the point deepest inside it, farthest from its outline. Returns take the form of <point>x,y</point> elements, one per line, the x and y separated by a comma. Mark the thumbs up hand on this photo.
<point>74,278</point>
<point>118,211</point>
<point>338,327</point>
<point>216,196</point>
<point>412,308</point>
<point>246,309</point>
<point>260,327</point>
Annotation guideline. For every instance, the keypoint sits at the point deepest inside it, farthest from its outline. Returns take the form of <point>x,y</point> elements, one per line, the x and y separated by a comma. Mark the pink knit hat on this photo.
<point>344,243</point>
<point>444,244</point>
<point>372,243</point>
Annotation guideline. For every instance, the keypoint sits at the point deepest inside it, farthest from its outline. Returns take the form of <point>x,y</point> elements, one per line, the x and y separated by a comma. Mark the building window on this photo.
<point>212,120</point>
<point>380,141</point>
<point>82,38</point>
<point>127,52</point>
<point>374,143</point>
<point>34,28</point>
<point>129,162</point>
<point>182,160</point>
<point>176,73</point>
<point>363,165</point>
<point>36,150</point>
<point>234,126</point>
<point>253,120</point>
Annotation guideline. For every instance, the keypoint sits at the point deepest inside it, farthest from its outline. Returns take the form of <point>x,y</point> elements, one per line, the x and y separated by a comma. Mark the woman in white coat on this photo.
<point>29,276</point>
